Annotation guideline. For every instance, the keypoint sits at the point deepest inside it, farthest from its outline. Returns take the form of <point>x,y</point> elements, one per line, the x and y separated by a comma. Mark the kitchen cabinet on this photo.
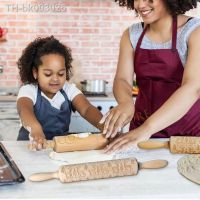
<point>104,104</point>
<point>79,124</point>
<point>10,122</point>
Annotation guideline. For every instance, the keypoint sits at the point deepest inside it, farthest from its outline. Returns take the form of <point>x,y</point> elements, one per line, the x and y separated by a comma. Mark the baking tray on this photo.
<point>9,172</point>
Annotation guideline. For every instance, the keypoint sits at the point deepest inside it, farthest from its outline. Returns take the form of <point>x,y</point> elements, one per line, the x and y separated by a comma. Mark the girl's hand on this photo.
<point>117,118</point>
<point>126,140</point>
<point>37,140</point>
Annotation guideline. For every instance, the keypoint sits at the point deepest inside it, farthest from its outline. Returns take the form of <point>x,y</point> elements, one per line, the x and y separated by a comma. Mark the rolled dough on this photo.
<point>81,156</point>
<point>91,156</point>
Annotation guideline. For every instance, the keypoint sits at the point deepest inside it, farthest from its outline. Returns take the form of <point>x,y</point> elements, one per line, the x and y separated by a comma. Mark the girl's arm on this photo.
<point>29,120</point>
<point>87,111</point>
<point>122,114</point>
<point>176,106</point>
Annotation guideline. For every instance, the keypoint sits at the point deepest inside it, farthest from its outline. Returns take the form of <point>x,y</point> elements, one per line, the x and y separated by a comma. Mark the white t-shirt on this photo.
<point>30,91</point>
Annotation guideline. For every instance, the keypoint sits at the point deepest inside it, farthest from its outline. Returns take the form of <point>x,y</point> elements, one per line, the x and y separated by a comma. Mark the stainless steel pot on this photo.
<point>94,86</point>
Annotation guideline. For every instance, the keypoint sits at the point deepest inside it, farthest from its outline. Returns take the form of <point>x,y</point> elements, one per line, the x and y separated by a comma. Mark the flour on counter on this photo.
<point>130,152</point>
<point>91,156</point>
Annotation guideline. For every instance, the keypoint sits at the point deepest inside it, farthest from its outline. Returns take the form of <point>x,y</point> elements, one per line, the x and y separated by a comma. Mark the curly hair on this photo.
<point>31,57</point>
<point>175,6</point>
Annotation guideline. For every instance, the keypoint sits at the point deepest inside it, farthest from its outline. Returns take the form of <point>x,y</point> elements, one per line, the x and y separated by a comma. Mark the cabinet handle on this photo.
<point>99,108</point>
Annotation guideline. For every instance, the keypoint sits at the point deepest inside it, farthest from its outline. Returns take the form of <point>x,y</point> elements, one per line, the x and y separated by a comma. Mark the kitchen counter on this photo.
<point>8,98</point>
<point>160,183</point>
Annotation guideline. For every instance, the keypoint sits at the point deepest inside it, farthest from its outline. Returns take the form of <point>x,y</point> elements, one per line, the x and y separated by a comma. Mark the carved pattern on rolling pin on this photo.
<point>185,144</point>
<point>98,170</point>
<point>67,139</point>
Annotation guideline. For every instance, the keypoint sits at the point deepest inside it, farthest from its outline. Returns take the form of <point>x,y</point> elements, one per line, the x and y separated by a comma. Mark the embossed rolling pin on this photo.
<point>176,144</point>
<point>76,142</point>
<point>98,170</point>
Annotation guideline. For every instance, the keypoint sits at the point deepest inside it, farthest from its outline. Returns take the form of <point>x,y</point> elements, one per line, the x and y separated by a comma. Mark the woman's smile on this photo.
<point>145,13</point>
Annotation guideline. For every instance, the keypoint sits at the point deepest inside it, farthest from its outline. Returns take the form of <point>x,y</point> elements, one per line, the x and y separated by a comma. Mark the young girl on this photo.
<point>164,53</point>
<point>46,99</point>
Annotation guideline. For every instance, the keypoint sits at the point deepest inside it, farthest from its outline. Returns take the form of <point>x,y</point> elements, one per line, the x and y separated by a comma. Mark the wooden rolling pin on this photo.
<point>98,170</point>
<point>75,143</point>
<point>176,144</point>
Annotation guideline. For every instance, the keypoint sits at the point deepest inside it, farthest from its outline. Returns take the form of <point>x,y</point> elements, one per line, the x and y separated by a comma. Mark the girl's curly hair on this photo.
<point>31,57</point>
<point>175,6</point>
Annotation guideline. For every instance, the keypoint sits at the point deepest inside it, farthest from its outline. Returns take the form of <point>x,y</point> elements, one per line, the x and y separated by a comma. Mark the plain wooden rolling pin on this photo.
<point>74,142</point>
<point>176,144</point>
<point>98,170</point>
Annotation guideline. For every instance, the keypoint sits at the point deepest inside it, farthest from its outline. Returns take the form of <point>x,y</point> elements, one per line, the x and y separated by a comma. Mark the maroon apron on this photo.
<point>159,74</point>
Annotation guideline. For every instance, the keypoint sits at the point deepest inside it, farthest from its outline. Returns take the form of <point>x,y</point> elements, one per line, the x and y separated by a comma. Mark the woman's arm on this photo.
<point>176,106</point>
<point>122,114</point>
<point>87,111</point>
<point>123,81</point>
<point>29,120</point>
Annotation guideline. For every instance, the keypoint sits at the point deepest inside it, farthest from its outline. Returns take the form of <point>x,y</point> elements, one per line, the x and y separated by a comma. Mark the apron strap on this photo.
<point>140,39</point>
<point>174,33</point>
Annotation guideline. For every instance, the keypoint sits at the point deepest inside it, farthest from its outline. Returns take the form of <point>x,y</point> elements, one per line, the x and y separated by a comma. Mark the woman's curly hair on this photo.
<point>175,6</point>
<point>31,57</point>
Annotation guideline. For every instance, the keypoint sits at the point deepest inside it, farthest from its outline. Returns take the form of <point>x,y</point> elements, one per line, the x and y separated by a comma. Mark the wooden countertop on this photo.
<point>147,184</point>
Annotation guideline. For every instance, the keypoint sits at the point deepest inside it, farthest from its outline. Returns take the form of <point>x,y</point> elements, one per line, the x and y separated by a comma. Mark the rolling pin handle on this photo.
<point>38,177</point>
<point>153,164</point>
<point>150,144</point>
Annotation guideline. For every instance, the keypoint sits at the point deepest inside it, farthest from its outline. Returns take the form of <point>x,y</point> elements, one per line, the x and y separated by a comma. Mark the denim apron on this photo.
<point>159,74</point>
<point>55,122</point>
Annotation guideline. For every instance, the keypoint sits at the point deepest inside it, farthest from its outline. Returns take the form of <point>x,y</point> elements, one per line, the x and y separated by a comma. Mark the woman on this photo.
<point>164,53</point>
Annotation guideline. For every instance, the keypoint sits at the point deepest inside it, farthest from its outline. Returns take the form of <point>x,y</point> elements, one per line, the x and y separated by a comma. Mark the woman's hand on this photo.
<point>117,118</point>
<point>126,140</point>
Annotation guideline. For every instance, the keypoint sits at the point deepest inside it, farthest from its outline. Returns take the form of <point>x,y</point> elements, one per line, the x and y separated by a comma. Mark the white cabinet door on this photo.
<point>78,124</point>
<point>9,129</point>
<point>10,123</point>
